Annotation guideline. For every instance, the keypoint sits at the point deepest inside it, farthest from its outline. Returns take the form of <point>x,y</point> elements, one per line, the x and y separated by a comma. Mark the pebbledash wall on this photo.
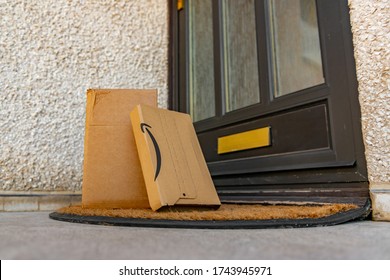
<point>370,29</point>
<point>52,51</point>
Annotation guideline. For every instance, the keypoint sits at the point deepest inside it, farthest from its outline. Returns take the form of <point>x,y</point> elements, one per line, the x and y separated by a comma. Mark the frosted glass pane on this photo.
<point>201,79</point>
<point>240,54</point>
<point>296,48</point>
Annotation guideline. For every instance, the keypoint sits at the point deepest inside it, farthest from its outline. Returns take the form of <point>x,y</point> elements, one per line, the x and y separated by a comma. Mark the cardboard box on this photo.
<point>112,172</point>
<point>173,165</point>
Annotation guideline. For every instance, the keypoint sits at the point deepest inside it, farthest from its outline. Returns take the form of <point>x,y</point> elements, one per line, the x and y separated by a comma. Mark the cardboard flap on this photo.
<point>108,106</point>
<point>173,166</point>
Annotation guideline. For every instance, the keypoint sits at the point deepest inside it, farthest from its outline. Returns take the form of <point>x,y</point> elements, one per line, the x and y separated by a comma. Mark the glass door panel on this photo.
<point>201,57</point>
<point>296,51</point>
<point>240,54</point>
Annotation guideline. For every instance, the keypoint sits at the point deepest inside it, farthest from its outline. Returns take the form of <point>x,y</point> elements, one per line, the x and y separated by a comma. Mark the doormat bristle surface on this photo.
<point>227,212</point>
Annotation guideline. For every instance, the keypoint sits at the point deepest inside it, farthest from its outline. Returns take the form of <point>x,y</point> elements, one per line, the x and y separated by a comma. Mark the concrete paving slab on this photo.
<point>32,235</point>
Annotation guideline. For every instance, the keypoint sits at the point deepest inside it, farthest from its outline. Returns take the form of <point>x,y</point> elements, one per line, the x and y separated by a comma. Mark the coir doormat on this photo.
<point>228,216</point>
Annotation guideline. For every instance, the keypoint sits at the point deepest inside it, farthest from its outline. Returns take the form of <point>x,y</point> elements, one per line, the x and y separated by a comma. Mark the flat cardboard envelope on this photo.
<point>172,162</point>
<point>112,172</point>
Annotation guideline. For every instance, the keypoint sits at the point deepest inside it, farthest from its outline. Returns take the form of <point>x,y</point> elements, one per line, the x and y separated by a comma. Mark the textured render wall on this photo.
<point>51,51</point>
<point>371,29</point>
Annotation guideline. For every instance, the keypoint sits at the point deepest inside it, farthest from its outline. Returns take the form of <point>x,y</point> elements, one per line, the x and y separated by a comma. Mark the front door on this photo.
<point>271,88</point>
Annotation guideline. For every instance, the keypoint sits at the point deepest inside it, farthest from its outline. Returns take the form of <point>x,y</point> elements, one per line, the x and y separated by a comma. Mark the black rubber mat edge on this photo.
<point>339,218</point>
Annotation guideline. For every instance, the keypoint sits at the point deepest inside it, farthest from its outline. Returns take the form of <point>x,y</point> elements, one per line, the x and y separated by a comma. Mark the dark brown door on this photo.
<point>271,88</point>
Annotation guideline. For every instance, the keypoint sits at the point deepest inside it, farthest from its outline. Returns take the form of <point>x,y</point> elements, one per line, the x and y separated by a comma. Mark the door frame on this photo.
<point>329,184</point>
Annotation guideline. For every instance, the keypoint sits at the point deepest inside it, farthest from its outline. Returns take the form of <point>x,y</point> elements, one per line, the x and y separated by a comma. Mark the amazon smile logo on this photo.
<point>146,127</point>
